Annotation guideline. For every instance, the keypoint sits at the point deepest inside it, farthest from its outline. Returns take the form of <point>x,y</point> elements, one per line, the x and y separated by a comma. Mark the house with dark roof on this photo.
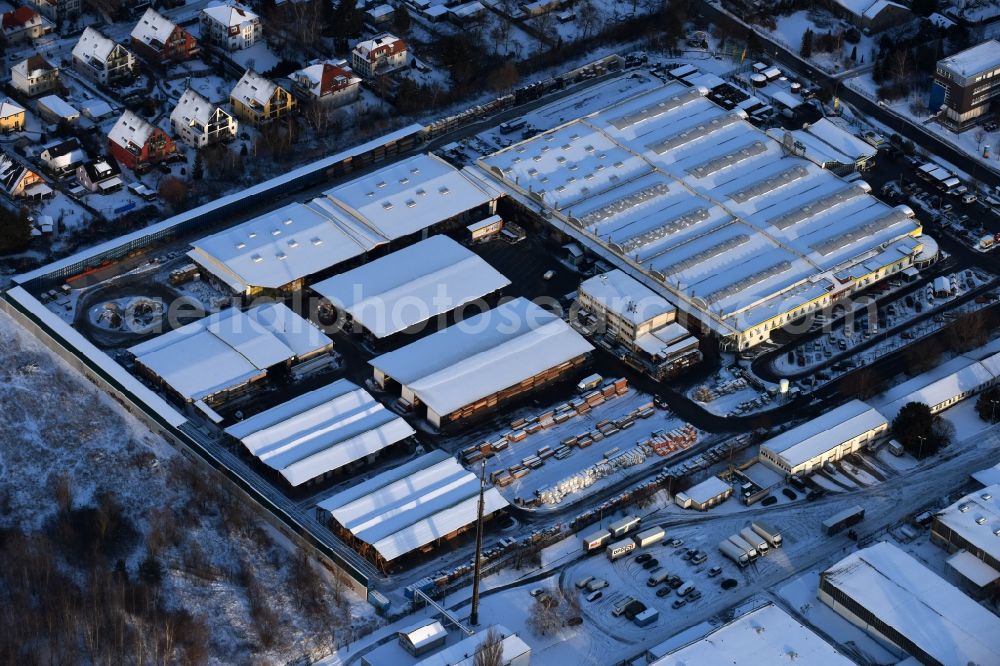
<point>101,174</point>
<point>61,158</point>
<point>23,25</point>
<point>19,182</point>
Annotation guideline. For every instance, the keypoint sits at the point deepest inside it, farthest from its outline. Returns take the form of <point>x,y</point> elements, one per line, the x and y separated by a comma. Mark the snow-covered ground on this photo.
<point>203,534</point>
<point>790,28</point>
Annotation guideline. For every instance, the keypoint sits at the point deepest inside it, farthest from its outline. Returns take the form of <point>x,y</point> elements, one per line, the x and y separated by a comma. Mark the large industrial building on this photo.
<point>321,432</point>
<point>767,635</point>
<point>280,251</point>
<point>406,289</point>
<point>638,319</point>
<point>219,356</point>
<point>972,525</point>
<point>826,438</point>
<point>704,208</point>
<point>475,366</point>
<point>898,600</point>
<point>413,506</point>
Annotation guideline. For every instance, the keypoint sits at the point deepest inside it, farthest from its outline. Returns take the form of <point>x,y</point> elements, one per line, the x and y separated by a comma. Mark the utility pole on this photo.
<point>474,615</point>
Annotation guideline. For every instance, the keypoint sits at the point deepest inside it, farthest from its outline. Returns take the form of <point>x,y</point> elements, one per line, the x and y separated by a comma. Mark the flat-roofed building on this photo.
<point>826,438</point>
<point>225,353</point>
<point>965,85</point>
<point>708,211</point>
<point>704,495</point>
<point>767,635</point>
<point>482,362</point>
<point>899,601</point>
<point>414,506</point>
<point>405,290</point>
<point>321,432</point>
<point>939,388</point>
<point>972,525</point>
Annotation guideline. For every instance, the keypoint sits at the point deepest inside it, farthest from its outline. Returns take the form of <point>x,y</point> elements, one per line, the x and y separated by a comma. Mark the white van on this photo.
<point>683,590</point>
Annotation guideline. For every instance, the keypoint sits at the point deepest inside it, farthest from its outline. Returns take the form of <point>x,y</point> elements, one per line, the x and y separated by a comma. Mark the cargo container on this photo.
<point>619,549</point>
<point>647,617</point>
<point>649,537</point>
<point>845,518</point>
<point>623,526</point>
<point>768,532</point>
<point>596,540</point>
<point>589,383</point>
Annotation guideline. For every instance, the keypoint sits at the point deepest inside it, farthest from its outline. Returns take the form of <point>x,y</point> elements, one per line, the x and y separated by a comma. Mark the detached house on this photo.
<point>159,39</point>
<point>35,76</point>
<point>102,60</point>
<point>56,10</point>
<point>231,26</point>
<point>24,24</point>
<point>377,56</point>
<point>11,117</point>
<point>327,82</point>
<point>260,101</point>
<point>197,122</point>
<point>101,174</point>
<point>138,144</point>
<point>19,182</point>
<point>62,157</point>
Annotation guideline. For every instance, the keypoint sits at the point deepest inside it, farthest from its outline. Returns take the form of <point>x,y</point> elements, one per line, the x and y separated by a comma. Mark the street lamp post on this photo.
<point>920,451</point>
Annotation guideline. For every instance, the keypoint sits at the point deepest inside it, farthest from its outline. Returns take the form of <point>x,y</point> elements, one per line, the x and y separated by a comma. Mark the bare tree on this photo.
<point>490,651</point>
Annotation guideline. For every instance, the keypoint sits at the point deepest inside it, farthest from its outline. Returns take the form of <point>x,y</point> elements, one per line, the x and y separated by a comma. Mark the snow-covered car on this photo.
<point>594,596</point>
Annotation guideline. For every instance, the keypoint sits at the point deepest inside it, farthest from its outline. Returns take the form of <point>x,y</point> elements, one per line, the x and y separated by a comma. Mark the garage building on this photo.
<point>705,495</point>
<point>221,355</point>
<point>475,366</point>
<point>829,437</point>
<point>321,432</point>
<point>898,600</point>
<point>410,287</point>
<point>410,507</point>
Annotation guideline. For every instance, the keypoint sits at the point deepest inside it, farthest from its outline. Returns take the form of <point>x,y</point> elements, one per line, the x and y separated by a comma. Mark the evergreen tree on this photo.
<point>15,230</point>
<point>199,167</point>
<point>806,50</point>
<point>401,19</point>
<point>854,54</point>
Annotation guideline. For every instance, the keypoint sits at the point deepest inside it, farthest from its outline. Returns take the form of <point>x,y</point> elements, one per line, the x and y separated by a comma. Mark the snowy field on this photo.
<point>205,537</point>
<point>789,33</point>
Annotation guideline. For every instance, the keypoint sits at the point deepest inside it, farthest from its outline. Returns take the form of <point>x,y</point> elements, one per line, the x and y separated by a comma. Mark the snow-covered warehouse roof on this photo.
<point>410,195</point>
<point>320,431</point>
<point>463,653</point>
<point>705,204</point>
<point>840,139</point>
<point>284,245</point>
<point>625,296</point>
<point>228,348</point>
<point>817,436</point>
<point>973,569</point>
<point>708,489</point>
<point>975,60</point>
<point>963,518</point>
<point>412,285</point>
<point>932,613</point>
<point>933,389</point>
<point>423,633</point>
<point>483,354</point>
<point>412,505</point>
<point>767,635</point>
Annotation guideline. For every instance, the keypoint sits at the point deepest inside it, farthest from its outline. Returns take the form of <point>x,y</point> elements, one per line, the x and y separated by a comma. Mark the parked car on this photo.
<point>678,603</point>
<point>789,493</point>
<point>594,596</point>
<point>645,557</point>
<point>694,596</point>
<point>714,571</point>
<point>699,558</point>
<point>663,591</point>
<point>584,582</point>
<point>769,500</point>
<point>650,564</point>
<point>675,543</point>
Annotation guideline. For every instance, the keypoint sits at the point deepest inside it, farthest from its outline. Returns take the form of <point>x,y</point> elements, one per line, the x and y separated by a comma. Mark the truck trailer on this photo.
<point>748,548</point>
<point>733,552</point>
<point>649,537</point>
<point>619,549</point>
<point>768,532</point>
<point>845,518</point>
<point>623,526</point>
<point>596,540</point>
<point>755,540</point>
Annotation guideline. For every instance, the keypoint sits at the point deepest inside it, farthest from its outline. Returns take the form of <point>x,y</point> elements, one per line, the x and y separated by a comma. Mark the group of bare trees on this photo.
<point>550,611</point>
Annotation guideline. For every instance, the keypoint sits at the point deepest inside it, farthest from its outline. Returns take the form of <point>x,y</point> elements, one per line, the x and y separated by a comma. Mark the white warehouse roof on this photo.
<point>966,522</point>
<point>625,296</point>
<point>228,348</point>
<point>320,431</point>
<point>412,505</point>
<point>919,604</point>
<point>708,489</point>
<point>925,388</point>
<point>827,431</point>
<point>463,653</point>
<point>483,354</point>
<point>410,195</point>
<point>767,635</point>
<point>412,285</point>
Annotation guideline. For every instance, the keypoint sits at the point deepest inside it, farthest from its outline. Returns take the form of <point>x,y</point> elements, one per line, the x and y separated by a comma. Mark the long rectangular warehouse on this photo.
<point>828,437</point>
<point>943,386</point>
<point>280,251</point>
<point>896,598</point>
<point>410,507</point>
<point>411,286</point>
<point>708,210</point>
<point>767,635</point>
<point>320,432</point>
<point>483,361</point>
<point>970,524</point>
<point>225,352</point>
